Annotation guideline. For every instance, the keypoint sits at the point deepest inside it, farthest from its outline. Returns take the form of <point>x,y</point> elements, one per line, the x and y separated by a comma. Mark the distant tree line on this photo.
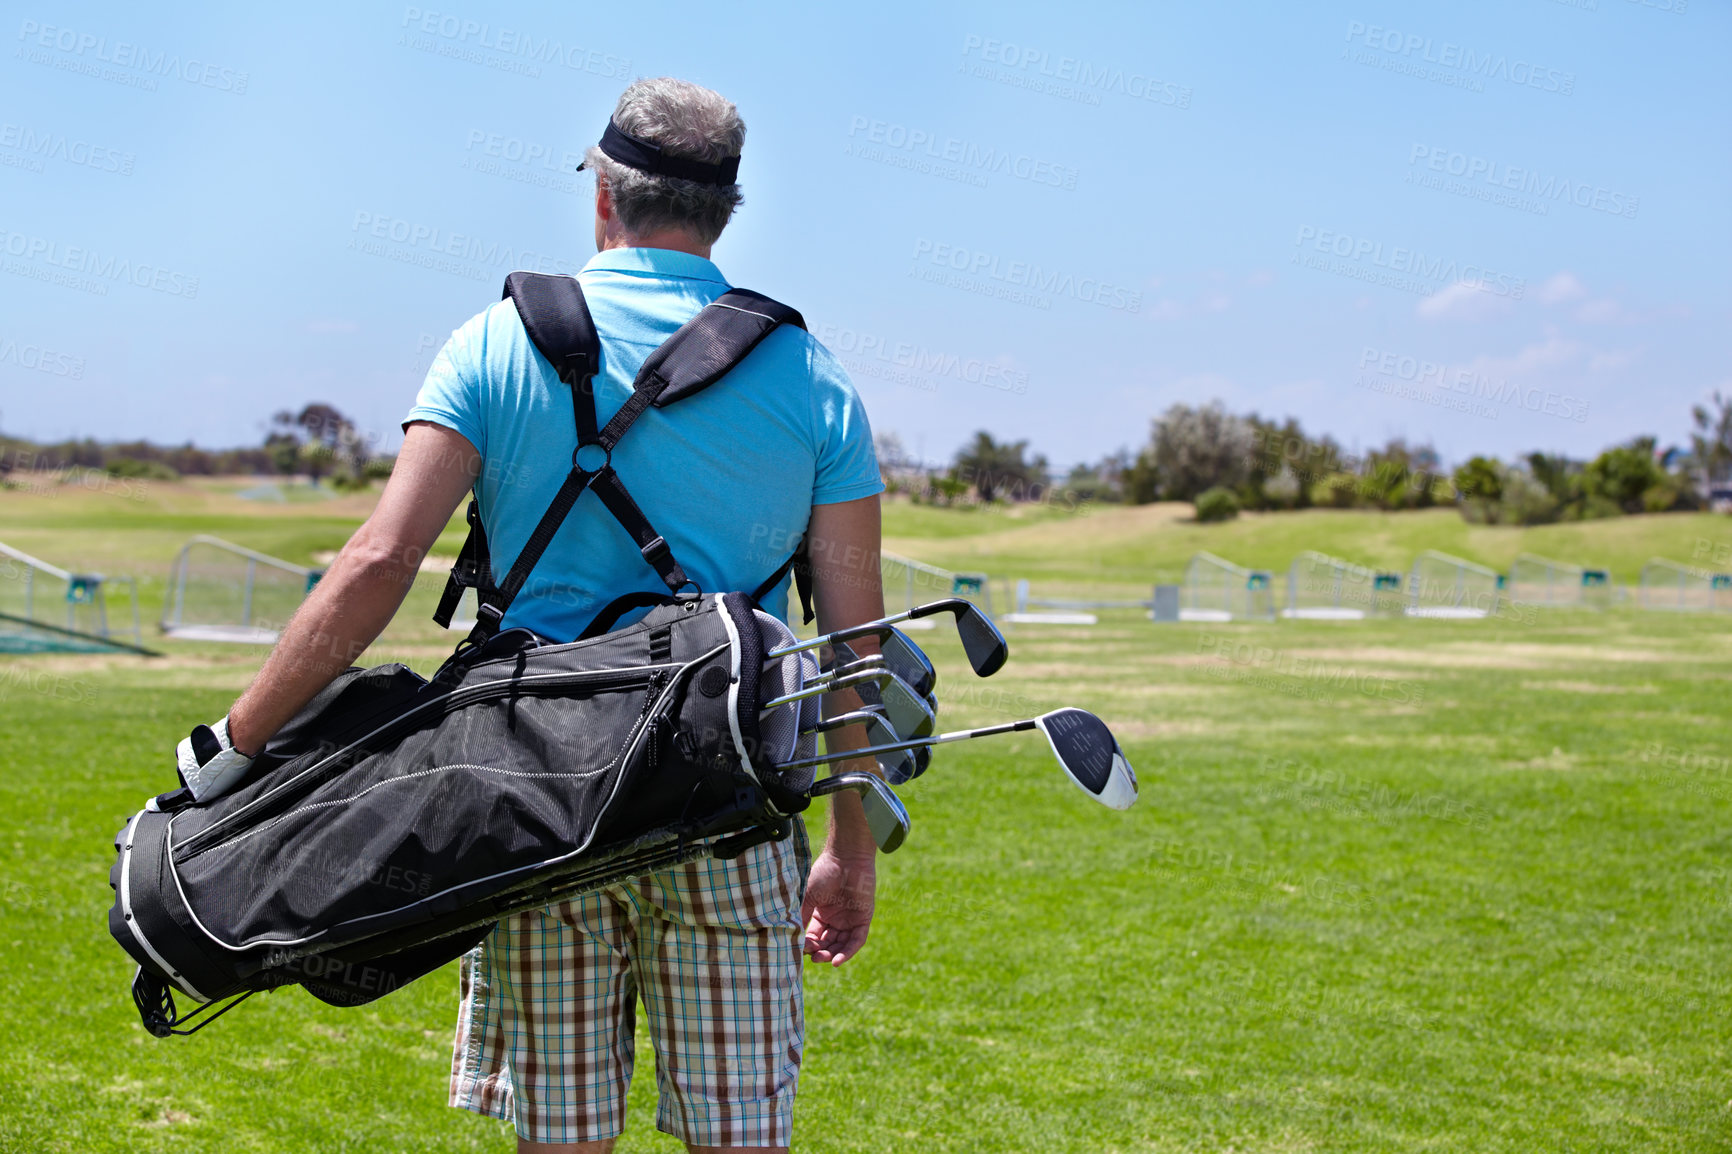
<point>316,442</point>
<point>1224,463</point>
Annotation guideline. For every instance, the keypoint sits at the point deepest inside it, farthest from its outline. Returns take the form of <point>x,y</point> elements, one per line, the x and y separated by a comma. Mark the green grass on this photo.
<point>1136,546</point>
<point>1390,885</point>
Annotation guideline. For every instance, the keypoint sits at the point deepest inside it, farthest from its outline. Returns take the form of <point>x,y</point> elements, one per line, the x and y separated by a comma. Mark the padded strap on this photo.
<point>711,343</point>
<point>557,319</point>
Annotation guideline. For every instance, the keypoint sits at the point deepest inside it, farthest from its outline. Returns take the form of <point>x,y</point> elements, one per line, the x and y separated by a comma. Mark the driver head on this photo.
<point>1091,756</point>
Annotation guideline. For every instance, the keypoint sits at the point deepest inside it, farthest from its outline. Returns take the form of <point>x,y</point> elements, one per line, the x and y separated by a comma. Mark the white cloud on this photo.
<point>1602,312</point>
<point>1532,361</point>
<point>1562,287</point>
<point>1463,301</point>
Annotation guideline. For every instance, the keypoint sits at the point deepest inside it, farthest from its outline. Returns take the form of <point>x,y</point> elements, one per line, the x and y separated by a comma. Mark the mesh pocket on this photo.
<point>779,728</point>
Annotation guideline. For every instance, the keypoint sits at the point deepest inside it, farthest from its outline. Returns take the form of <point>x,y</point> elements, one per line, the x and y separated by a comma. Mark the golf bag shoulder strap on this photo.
<point>556,317</point>
<point>799,562</point>
<point>557,320</point>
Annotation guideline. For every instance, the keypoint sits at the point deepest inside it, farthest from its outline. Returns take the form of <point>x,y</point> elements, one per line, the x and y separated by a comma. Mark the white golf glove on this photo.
<point>208,761</point>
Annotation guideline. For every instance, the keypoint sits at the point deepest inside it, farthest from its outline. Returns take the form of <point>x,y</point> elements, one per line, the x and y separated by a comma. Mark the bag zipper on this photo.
<point>534,685</point>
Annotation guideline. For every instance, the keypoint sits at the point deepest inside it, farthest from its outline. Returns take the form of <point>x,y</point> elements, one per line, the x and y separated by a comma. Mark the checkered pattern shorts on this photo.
<point>545,1032</point>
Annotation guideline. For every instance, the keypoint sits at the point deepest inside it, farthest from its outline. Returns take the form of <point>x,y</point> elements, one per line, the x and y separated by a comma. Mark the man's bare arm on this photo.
<point>845,541</point>
<point>365,585</point>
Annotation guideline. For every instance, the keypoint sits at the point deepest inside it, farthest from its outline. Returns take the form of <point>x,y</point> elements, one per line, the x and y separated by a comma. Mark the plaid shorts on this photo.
<point>545,1032</point>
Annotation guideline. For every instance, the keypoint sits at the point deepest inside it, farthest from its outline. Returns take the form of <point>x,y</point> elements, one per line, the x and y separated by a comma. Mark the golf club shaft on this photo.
<point>914,743</point>
<point>879,626</point>
<point>878,676</point>
<point>842,720</point>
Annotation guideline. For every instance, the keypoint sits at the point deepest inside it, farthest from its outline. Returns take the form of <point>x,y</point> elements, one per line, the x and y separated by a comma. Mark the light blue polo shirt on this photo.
<point>728,477</point>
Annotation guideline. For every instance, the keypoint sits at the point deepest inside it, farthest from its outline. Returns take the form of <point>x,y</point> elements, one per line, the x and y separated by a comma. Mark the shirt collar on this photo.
<point>662,262</point>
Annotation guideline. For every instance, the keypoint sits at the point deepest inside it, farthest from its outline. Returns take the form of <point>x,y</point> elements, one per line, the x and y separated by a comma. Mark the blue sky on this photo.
<point>1493,227</point>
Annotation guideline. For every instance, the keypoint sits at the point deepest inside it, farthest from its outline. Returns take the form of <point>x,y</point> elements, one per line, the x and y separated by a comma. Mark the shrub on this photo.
<point>1623,476</point>
<point>135,469</point>
<point>1217,504</point>
<point>1283,489</point>
<point>1336,491</point>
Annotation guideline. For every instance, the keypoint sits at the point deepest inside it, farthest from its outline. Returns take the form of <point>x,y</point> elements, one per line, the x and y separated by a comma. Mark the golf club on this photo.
<point>870,696</point>
<point>899,765</point>
<point>906,710</point>
<point>871,662</point>
<point>904,659</point>
<point>1083,744</point>
<point>981,640</point>
<point>829,685</point>
<point>885,815</point>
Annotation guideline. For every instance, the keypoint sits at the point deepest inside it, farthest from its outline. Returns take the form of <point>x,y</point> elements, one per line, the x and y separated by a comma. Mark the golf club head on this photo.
<point>904,658</point>
<point>885,815</point>
<point>909,714</point>
<point>921,760</point>
<point>899,764</point>
<point>1090,755</point>
<point>981,640</point>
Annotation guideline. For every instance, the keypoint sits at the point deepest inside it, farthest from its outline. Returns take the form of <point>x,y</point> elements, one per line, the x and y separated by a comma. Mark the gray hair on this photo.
<point>687,121</point>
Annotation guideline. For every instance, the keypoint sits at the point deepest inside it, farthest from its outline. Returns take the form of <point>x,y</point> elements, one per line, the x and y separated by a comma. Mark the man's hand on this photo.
<point>209,763</point>
<point>837,912</point>
<point>843,539</point>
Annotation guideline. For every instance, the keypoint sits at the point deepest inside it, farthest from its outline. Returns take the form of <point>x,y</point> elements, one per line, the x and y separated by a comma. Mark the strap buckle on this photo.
<point>656,552</point>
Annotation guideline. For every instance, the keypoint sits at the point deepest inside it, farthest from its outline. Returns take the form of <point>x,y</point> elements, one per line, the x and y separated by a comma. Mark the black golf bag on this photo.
<point>387,827</point>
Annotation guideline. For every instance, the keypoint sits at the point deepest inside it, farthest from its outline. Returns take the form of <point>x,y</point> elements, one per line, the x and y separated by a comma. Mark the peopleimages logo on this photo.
<point>40,359</point>
<point>902,146</point>
<point>1467,383</point>
<point>1415,52</point>
<point>1068,77</point>
<point>906,363</point>
<point>976,271</point>
<point>428,246</point>
<point>460,34</point>
<point>57,146</point>
<point>87,270</point>
<point>85,52</point>
<point>1396,267</point>
<point>1497,176</point>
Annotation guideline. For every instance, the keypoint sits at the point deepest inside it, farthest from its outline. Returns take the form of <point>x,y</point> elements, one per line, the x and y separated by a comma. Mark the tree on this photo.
<point>892,457</point>
<point>1000,468</point>
<point>1628,478</point>
<point>1562,479</point>
<point>1142,483</point>
<point>1197,449</point>
<point>1479,485</point>
<point>1711,444</point>
<point>1274,448</point>
<point>314,440</point>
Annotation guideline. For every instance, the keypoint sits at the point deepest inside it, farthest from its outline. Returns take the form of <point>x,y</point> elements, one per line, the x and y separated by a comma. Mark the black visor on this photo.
<point>647,157</point>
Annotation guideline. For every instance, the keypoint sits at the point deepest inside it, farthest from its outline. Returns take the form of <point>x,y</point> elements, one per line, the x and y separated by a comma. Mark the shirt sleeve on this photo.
<point>452,394</point>
<point>847,466</point>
